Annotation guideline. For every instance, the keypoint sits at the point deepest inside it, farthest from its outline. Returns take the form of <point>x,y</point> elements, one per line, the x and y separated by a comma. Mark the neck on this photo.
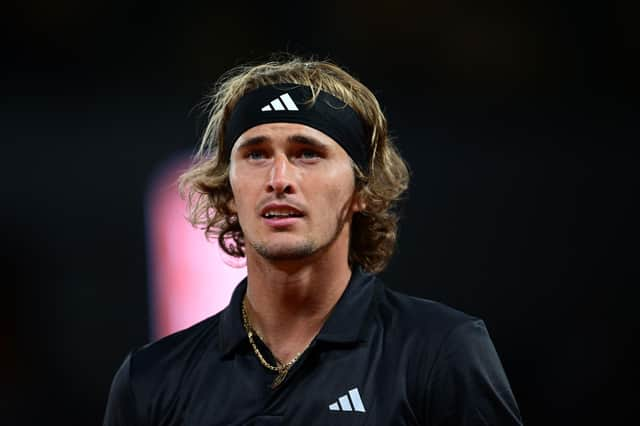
<point>289,301</point>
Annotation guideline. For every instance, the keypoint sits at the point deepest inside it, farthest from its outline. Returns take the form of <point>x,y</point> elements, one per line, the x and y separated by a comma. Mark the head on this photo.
<point>367,184</point>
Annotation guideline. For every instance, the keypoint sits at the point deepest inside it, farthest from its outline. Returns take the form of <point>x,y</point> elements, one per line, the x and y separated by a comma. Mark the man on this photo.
<point>296,172</point>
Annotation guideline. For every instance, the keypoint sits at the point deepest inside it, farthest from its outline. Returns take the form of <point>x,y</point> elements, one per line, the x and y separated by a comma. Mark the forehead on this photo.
<point>274,132</point>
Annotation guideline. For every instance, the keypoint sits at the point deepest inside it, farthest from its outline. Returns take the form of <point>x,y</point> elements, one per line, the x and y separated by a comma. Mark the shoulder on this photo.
<point>176,350</point>
<point>429,330</point>
<point>424,318</point>
<point>158,365</point>
<point>456,375</point>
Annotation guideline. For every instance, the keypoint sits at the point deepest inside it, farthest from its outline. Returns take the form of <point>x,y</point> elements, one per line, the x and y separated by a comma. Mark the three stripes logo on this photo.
<point>349,402</point>
<point>281,103</point>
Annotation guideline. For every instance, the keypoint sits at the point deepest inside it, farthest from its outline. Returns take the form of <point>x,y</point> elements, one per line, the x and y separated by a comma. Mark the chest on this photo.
<point>354,385</point>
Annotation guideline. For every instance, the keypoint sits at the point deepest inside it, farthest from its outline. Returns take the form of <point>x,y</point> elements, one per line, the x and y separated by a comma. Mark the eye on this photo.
<point>308,154</point>
<point>255,154</point>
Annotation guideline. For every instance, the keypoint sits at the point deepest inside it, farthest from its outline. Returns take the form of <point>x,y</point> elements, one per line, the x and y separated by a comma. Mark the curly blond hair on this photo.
<point>206,183</point>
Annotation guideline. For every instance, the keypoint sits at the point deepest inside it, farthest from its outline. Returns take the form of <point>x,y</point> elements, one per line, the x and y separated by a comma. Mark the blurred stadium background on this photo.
<point>518,121</point>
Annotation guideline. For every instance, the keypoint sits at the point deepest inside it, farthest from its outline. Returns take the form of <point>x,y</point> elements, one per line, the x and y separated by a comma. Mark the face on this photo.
<point>293,189</point>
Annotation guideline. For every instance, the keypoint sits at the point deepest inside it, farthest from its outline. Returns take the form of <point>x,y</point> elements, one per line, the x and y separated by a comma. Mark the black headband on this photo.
<point>290,103</point>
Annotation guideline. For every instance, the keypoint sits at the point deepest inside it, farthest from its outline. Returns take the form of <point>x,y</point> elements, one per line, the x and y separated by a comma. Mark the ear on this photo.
<point>358,204</point>
<point>231,204</point>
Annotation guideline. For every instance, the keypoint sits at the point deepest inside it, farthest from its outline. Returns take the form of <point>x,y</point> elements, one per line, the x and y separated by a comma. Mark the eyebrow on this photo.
<point>256,140</point>
<point>306,140</point>
<point>293,139</point>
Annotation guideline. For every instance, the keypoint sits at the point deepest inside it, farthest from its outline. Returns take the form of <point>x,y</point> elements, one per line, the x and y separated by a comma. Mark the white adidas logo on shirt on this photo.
<point>348,402</point>
<point>281,103</point>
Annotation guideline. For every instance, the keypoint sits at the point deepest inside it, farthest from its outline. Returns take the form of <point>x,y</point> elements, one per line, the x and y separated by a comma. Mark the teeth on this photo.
<point>276,213</point>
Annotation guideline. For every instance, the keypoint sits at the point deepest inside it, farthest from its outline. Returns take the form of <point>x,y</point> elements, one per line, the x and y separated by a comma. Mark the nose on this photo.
<point>280,178</point>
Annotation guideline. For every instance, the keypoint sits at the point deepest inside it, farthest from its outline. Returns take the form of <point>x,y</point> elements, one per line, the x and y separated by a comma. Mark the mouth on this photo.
<point>280,214</point>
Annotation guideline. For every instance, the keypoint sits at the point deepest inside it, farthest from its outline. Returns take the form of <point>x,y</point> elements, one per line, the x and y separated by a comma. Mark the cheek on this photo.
<point>335,192</point>
<point>240,194</point>
<point>232,203</point>
<point>238,181</point>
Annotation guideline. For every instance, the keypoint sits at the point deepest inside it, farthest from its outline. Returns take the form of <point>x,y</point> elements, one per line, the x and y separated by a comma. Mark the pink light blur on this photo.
<point>189,278</point>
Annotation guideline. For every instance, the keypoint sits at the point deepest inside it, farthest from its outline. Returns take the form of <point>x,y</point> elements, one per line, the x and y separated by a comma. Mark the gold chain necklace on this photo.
<point>281,369</point>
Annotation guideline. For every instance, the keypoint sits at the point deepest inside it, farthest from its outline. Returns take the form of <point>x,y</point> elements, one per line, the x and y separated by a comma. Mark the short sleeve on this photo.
<point>121,405</point>
<point>467,384</point>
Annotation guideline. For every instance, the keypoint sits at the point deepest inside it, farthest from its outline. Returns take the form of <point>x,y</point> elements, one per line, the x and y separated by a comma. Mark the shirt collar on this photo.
<point>350,316</point>
<point>232,331</point>
<point>345,324</point>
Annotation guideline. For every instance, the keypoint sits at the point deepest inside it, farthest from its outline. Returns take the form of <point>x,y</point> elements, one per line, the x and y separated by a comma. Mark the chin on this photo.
<point>289,251</point>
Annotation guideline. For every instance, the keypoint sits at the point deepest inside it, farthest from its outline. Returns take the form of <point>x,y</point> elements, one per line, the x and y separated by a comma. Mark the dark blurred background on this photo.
<point>518,121</point>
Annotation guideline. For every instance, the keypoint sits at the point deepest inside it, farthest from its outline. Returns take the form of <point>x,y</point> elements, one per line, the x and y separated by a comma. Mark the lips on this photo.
<point>280,211</point>
<point>281,216</point>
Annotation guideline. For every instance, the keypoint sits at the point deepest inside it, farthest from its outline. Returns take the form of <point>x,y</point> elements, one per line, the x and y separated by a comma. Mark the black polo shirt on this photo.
<point>381,358</point>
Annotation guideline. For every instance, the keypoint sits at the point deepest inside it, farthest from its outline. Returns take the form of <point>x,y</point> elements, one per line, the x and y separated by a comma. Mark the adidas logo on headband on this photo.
<point>276,105</point>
